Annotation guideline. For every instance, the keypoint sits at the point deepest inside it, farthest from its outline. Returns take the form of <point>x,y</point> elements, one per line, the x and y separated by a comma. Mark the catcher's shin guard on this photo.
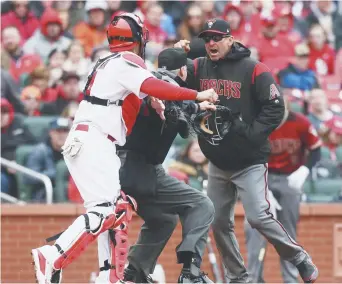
<point>119,238</point>
<point>70,248</point>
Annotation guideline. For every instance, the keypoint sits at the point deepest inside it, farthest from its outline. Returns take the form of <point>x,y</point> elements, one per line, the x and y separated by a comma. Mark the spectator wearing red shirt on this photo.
<point>234,16</point>
<point>68,91</point>
<point>322,55</point>
<point>271,44</point>
<point>48,37</point>
<point>21,18</point>
<point>31,97</point>
<point>286,24</point>
<point>40,78</point>
<point>18,64</point>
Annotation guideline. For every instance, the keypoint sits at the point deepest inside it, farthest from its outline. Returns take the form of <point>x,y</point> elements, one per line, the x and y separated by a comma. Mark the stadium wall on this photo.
<point>26,227</point>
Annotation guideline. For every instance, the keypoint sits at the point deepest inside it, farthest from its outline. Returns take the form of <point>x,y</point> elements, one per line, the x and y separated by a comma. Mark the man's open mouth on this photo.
<point>213,51</point>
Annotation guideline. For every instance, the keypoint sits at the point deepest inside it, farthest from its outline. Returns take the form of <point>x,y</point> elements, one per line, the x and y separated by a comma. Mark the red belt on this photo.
<point>85,127</point>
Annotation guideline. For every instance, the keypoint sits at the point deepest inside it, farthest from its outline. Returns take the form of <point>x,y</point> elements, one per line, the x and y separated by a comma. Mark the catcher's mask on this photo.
<point>212,126</point>
<point>125,32</point>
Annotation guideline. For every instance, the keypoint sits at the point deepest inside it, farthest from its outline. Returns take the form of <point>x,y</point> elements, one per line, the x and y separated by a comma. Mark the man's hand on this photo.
<point>207,106</point>
<point>159,106</point>
<point>185,44</point>
<point>207,95</point>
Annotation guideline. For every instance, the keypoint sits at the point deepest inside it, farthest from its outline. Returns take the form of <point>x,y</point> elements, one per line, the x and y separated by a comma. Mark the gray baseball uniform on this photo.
<point>288,216</point>
<point>174,199</point>
<point>251,183</point>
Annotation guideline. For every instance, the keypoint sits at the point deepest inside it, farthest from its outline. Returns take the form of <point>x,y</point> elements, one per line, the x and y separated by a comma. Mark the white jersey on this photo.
<point>119,77</point>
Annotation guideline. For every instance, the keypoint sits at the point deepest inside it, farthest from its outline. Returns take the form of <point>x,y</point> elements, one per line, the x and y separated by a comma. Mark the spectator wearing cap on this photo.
<point>68,91</point>
<point>31,97</point>
<point>270,43</point>
<point>322,56</point>
<point>92,33</point>
<point>40,77</point>
<point>46,156</point>
<point>234,16</point>
<point>22,18</point>
<point>298,75</point>
<point>319,109</point>
<point>18,64</point>
<point>48,37</point>
<point>190,27</point>
<point>13,134</point>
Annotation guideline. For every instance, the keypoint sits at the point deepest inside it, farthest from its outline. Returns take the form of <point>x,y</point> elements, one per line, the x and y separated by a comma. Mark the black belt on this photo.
<point>97,101</point>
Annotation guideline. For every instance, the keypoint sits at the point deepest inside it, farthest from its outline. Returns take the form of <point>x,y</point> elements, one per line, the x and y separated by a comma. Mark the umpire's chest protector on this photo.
<point>233,82</point>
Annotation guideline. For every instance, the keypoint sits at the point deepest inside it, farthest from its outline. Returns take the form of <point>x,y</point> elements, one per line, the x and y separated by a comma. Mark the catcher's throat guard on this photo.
<point>212,126</point>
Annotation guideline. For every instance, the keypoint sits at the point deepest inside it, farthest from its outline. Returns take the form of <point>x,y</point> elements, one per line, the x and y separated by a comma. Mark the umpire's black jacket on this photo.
<point>247,87</point>
<point>152,137</point>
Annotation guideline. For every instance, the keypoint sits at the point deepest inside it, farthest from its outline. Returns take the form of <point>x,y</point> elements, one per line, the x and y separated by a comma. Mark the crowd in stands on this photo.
<point>48,48</point>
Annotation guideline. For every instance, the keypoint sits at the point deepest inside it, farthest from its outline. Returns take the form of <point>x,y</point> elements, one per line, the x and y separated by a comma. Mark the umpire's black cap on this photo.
<point>172,58</point>
<point>216,26</point>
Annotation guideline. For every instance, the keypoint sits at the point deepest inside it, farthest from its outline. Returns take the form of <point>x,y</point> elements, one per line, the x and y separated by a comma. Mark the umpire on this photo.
<point>161,198</point>
<point>238,161</point>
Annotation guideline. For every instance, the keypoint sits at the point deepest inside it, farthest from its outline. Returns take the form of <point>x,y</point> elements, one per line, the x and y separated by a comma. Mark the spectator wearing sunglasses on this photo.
<point>238,160</point>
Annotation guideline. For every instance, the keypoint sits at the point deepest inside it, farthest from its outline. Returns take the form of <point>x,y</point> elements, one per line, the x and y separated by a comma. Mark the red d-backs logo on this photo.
<point>274,92</point>
<point>227,88</point>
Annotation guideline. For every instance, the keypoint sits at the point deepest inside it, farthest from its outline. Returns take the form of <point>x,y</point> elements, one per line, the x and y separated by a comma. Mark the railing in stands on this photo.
<point>44,178</point>
<point>11,199</point>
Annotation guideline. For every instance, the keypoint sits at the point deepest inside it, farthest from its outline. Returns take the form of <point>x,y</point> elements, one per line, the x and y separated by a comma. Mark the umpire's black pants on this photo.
<point>174,199</point>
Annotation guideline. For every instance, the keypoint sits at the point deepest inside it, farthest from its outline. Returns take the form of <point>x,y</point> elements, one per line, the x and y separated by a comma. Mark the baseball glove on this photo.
<point>212,126</point>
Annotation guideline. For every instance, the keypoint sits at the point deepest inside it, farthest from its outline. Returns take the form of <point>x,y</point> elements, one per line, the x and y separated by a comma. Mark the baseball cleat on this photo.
<point>44,271</point>
<point>307,270</point>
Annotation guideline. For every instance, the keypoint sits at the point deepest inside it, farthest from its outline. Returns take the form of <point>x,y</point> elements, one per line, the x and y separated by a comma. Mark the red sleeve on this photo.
<point>310,135</point>
<point>166,91</point>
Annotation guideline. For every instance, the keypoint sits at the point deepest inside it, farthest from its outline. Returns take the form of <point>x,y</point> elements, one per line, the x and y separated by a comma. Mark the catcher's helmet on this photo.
<point>125,32</point>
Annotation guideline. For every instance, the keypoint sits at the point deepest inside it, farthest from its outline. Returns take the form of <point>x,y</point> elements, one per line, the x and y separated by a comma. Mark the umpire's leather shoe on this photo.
<point>307,270</point>
<point>132,275</point>
<point>187,277</point>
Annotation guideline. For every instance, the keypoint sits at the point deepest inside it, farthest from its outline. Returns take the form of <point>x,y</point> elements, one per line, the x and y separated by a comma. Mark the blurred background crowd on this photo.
<point>48,48</point>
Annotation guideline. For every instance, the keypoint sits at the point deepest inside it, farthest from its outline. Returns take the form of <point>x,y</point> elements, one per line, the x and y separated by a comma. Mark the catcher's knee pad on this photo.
<point>81,233</point>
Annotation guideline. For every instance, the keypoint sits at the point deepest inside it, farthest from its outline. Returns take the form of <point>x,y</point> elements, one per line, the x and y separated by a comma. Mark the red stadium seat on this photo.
<point>330,83</point>
<point>335,95</point>
<point>338,64</point>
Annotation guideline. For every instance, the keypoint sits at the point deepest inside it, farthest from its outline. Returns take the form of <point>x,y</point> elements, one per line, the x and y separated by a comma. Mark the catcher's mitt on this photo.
<point>212,125</point>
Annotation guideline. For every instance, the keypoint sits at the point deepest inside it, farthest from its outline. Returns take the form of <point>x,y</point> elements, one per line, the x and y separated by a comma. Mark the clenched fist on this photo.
<point>207,95</point>
<point>185,44</point>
